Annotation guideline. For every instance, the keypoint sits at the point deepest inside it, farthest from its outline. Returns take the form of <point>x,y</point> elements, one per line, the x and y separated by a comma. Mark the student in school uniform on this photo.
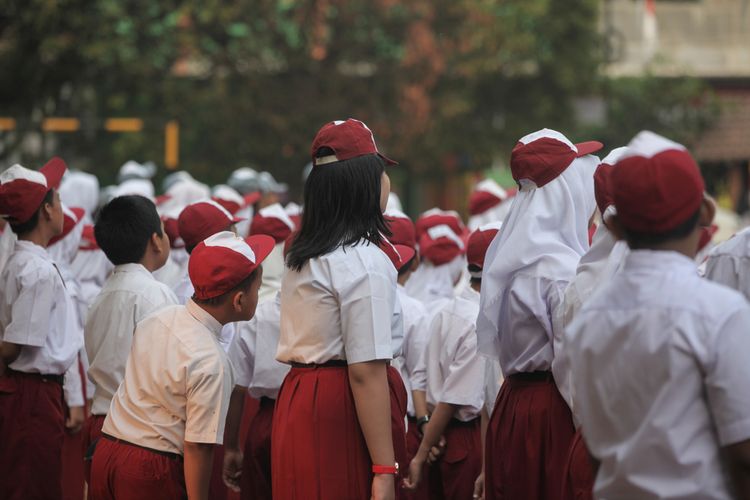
<point>40,342</point>
<point>135,179</point>
<point>272,221</point>
<point>332,435</point>
<point>90,265</point>
<point>729,263</point>
<point>455,388</point>
<point>131,234</point>
<point>488,203</point>
<point>659,355</point>
<point>228,198</point>
<point>527,268</point>
<point>169,412</point>
<point>175,269</point>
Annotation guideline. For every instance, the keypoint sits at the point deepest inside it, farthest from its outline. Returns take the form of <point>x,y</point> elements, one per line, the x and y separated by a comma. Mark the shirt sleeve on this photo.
<point>463,382</point>
<point>30,311</point>
<point>366,306</point>
<point>726,377</point>
<point>419,375</point>
<point>209,387</point>
<point>242,352</point>
<point>73,386</point>
<point>417,342</point>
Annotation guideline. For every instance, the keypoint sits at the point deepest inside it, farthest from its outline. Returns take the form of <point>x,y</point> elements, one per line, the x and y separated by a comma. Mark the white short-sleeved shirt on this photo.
<point>455,370</point>
<point>339,307</point>
<point>729,263</point>
<point>418,378</point>
<point>177,384</point>
<point>252,353</point>
<point>184,292</point>
<point>415,327</point>
<point>92,268</point>
<point>130,294</point>
<point>660,363</point>
<point>37,312</point>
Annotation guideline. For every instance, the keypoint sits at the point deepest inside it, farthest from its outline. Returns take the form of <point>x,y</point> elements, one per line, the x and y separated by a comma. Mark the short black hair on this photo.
<point>29,225</point>
<point>242,286</point>
<point>639,240</point>
<point>124,227</point>
<point>341,207</point>
<point>473,268</point>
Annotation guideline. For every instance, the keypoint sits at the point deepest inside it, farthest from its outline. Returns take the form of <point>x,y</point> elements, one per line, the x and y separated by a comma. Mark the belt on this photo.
<point>168,454</point>
<point>539,376</point>
<point>44,377</point>
<point>327,364</point>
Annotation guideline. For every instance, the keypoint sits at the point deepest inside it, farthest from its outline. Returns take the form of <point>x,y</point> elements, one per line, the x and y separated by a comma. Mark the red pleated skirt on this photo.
<point>579,480</point>
<point>318,450</point>
<point>528,440</point>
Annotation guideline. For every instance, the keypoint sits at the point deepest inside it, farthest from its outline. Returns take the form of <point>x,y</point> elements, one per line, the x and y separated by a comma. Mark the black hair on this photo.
<point>638,240</point>
<point>29,225</point>
<point>242,286</point>
<point>473,268</point>
<point>341,207</point>
<point>124,227</point>
<point>406,268</point>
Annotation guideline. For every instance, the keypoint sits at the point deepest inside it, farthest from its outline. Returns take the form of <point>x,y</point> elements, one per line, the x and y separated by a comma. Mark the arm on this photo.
<point>738,460</point>
<point>199,460</point>
<point>369,384</point>
<point>232,453</point>
<point>9,352</point>
<point>420,403</point>
<point>73,392</point>
<point>479,483</point>
<point>432,434</point>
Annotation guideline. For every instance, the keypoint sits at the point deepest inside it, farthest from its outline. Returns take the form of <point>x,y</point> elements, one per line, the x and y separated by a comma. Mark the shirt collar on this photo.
<point>204,317</point>
<point>659,261</point>
<point>28,246</point>
<point>134,267</point>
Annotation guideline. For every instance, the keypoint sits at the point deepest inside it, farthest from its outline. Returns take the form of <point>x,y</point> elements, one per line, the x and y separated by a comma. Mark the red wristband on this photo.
<point>385,469</point>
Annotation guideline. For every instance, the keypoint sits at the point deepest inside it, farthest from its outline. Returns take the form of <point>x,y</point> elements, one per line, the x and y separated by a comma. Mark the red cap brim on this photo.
<point>79,213</point>
<point>388,161</point>
<point>235,220</point>
<point>407,253</point>
<point>251,198</point>
<point>588,147</point>
<point>53,171</point>
<point>262,246</point>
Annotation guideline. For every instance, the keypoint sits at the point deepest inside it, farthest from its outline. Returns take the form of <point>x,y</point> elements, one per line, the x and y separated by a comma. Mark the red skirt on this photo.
<point>579,479</point>
<point>91,432</point>
<point>399,402</point>
<point>453,476</point>
<point>255,482</point>
<point>32,430</point>
<point>318,450</point>
<point>528,439</point>
<point>126,472</point>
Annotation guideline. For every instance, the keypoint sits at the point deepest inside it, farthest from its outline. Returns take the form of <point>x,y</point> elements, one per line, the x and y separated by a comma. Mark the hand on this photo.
<point>383,487</point>
<point>232,468</point>
<point>437,451</point>
<point>415,474</point>
<point>76,416</point>
<point>479,487</point>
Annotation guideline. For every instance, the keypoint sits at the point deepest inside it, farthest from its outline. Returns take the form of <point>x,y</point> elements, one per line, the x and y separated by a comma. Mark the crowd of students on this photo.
<point>563,344</point>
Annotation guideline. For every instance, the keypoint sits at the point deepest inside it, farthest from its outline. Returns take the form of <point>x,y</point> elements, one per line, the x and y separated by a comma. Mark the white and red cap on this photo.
<point>543,155</point>
<point>479,242</point>
<point>202,219</point>
<point>222,261</point>
<point>436,217</point>
<point>172,228</point>
<point>402,228</point>
<point>272,221</point>
<point>88,239</point>
<point>71,217</point>
<point>228,198</point>
<point>486,194</point>
<point>22,190</point>
<point>347,139</point>
<point>294,212</point>
<point>602,189</point>
<point>400,255</point>
<point>440,244</point>
<point>656,185</point>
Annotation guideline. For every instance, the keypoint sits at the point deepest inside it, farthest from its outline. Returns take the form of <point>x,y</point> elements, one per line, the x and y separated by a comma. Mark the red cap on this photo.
<point>202,219</point>
<point>543,155</point>
<point>222,261</point>
<point>707,234</point>
<point>479,241</point>
<point>71,217</point>
<point>440,245</point>
<point>400,255</point>
<point>656,185</point>
<point>348,139</point>
<point>162,199</point>
<point>486,194</point>
<point>402,229</point>
<point>252,198</point>
<point>22,190</point>
<point>602,189</point>
<point>435,217</point>
<point>88,240</point>
<point>171,227</point>
<point>272,221</point>
<point>228,198</point>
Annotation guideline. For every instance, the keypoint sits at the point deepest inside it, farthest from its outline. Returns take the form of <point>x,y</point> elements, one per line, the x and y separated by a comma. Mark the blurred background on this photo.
<point>448,86</point>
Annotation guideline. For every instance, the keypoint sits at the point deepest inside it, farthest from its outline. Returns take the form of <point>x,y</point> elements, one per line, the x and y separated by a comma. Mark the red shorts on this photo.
<point>255,482</point>
<point>413,440</point>
<point>528,439</point>
<point>453,476</point>
<point>91,432</point>
<point>127,472</point>
<point>32,429</point>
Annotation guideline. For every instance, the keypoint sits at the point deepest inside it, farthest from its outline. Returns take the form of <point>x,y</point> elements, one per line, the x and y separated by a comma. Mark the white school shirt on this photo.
<point>252,353</point>
<point>660,363</point>
<point>177,383</point>
<point>91,268</point>
<point>418,378</point>
<point>729,263</point>
<point>455,370</point>
<point>416,333</point>
<point>7,243</point>
<point>184,292</point>
<point>340,306</point>
<point>130,294</point>
<point>37,312</point>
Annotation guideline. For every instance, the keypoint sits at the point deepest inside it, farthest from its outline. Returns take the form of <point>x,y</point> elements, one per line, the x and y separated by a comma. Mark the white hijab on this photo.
<point>544,235</point>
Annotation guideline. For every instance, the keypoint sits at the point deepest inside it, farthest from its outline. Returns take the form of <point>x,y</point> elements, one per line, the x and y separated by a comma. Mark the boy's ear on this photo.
<point>707,211</point>
<point>615,227</point>
<point>414,263</point>
<point>155,243</point>
<point>237,301</point>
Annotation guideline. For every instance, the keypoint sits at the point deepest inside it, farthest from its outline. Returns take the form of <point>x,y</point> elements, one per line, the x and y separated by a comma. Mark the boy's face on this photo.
<point>249,299</point>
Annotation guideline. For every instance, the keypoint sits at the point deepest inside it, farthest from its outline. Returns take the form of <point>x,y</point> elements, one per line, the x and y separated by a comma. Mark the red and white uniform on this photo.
<point>729,263</point>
